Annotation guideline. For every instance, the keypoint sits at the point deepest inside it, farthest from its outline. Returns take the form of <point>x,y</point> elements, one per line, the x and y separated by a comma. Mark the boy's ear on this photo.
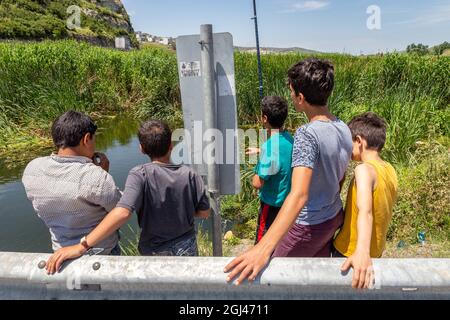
<point>142,148</point>
<point>359,139</point>
<point>86,139</point>
<point>301,98</point>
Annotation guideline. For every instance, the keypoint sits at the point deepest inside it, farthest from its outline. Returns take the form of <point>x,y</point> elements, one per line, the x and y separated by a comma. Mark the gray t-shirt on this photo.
<point>166,198</point>
<point>326,147</point>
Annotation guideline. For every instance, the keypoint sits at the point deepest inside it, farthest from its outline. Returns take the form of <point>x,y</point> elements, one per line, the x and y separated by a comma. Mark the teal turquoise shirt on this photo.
<point>274,167</point>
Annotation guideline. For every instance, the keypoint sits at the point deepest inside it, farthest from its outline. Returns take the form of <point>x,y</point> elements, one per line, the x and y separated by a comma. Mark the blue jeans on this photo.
<point>116,251</point>
<point>183,248</point>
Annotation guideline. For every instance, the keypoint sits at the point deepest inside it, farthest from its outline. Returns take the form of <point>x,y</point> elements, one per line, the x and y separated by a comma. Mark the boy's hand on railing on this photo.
<point>248,265</point>
<point>363,273</point>
<point>56,260</point>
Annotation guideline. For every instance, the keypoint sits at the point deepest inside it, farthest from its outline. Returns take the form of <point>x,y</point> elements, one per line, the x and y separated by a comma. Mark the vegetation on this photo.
<point>41,80</point>
<point>46,19</point>
<point>440,49</point>
<point>422,49</point>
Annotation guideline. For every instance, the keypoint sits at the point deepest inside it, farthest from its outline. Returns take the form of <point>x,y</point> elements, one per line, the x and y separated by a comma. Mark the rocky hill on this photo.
<point>270,50</point>
<point>101,21</point>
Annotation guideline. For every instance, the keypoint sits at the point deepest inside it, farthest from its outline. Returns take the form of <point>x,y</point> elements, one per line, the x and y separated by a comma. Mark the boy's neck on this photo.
<point>370,155</point>
<point>319,113</point>
<point>162,160</point>
<point>70,152</point>
<point>271,131</point>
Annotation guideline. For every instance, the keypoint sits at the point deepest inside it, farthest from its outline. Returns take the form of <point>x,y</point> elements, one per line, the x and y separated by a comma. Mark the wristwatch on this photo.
<point>84,243</point>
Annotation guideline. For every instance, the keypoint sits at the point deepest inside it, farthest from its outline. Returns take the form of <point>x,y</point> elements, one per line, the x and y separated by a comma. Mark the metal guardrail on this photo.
<point>22,276</point>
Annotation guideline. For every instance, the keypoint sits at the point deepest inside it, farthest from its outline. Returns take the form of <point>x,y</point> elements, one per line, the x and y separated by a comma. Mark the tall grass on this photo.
<point>412,93</point>
<point>40,81</point>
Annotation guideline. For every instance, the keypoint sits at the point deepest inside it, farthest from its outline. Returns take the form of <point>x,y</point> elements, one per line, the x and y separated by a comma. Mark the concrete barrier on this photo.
<point>22,276</point>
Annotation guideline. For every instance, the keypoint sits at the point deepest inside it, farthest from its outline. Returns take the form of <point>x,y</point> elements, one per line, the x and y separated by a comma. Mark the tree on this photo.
<point>439,49</point>
<point>419,49</point>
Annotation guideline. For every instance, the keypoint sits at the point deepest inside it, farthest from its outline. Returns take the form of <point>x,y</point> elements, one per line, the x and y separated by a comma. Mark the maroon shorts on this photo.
<point>267,215</point>
<point>310,241</point>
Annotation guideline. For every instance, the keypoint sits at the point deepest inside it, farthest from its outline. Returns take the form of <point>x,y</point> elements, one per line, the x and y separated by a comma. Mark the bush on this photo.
<point>424,196</point>
<point>36,20</point>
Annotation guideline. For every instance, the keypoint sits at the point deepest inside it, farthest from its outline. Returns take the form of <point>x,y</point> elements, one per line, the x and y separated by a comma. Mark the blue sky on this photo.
<point>325,25</point>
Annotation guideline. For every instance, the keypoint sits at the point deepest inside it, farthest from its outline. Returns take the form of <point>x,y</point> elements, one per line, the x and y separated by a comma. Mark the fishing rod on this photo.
<point>258,51</point>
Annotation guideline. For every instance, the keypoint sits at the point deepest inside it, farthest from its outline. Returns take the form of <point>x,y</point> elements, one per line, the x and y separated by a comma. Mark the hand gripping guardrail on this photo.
<point>23,276</point>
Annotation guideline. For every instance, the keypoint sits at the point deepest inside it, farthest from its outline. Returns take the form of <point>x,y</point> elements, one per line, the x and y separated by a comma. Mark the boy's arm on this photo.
<point>203,214</point>
<point>249,264</point>
<point>365,177</point>
<point>257,182</point>
<point>202,206</point>
<point>112,222</point>
<point>304,158</point>
<point>263,169</point>
<point>130,201</point>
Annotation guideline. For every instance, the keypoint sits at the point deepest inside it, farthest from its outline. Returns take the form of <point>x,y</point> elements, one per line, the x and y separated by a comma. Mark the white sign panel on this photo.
<point>191,86</point>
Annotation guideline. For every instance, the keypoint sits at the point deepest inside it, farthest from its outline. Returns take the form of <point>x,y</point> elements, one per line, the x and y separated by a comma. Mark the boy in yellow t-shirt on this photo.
<point>371,198</point>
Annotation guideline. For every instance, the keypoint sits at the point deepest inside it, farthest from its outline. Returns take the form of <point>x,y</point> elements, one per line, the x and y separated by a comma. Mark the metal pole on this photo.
<point>258,51</point>
<point>209,84</point>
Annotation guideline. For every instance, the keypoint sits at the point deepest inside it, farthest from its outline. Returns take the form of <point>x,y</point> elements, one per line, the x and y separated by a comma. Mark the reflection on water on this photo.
<point>22,231</point>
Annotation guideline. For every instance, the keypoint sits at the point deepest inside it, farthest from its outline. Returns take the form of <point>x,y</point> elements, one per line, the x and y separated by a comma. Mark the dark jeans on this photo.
<point>116,251</point>
<point>183,248</point>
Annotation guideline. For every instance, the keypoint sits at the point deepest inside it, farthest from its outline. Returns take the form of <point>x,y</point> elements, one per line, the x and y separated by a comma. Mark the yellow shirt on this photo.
<point>384,197</point>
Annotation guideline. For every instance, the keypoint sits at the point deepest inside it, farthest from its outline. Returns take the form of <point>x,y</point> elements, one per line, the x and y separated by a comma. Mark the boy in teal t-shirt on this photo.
<point>273,171</point>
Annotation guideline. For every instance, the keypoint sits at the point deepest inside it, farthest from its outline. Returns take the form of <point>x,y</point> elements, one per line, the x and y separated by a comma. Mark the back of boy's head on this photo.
<point>276,110</point>
<point>314,78</point>
<point>69,128</point>
<point>371,128</point>
<point>155,137</point>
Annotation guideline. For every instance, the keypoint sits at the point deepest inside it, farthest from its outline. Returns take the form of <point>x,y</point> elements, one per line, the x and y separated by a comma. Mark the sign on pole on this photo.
<point>208,95</point>
<point>189,54</point>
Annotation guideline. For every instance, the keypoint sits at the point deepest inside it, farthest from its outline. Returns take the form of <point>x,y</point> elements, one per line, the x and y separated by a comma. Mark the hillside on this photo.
<point>101,20</point>
<point>269,50</point>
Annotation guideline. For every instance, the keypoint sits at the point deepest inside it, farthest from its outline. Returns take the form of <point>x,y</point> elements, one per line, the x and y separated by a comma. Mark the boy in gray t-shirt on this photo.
<point>312,212</point>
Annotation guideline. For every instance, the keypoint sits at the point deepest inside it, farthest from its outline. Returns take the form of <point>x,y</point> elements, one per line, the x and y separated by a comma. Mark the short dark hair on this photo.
<point>155,137</point>
<point>70,128</point>
<point>276,110</point>
<point>371,128</point>
<point>314,78</point>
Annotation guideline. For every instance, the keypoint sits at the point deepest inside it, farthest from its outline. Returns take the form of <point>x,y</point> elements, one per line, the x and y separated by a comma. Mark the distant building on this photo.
<point>123,43</point>
<point>139,37</point>
<point>164,41</point>
<point>148,38</point>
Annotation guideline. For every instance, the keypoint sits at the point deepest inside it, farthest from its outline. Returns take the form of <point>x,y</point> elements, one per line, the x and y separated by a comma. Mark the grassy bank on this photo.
<point>40,81</point>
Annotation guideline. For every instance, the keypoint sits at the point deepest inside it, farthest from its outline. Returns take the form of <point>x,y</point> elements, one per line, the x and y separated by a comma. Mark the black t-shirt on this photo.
<point>166,198</point>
